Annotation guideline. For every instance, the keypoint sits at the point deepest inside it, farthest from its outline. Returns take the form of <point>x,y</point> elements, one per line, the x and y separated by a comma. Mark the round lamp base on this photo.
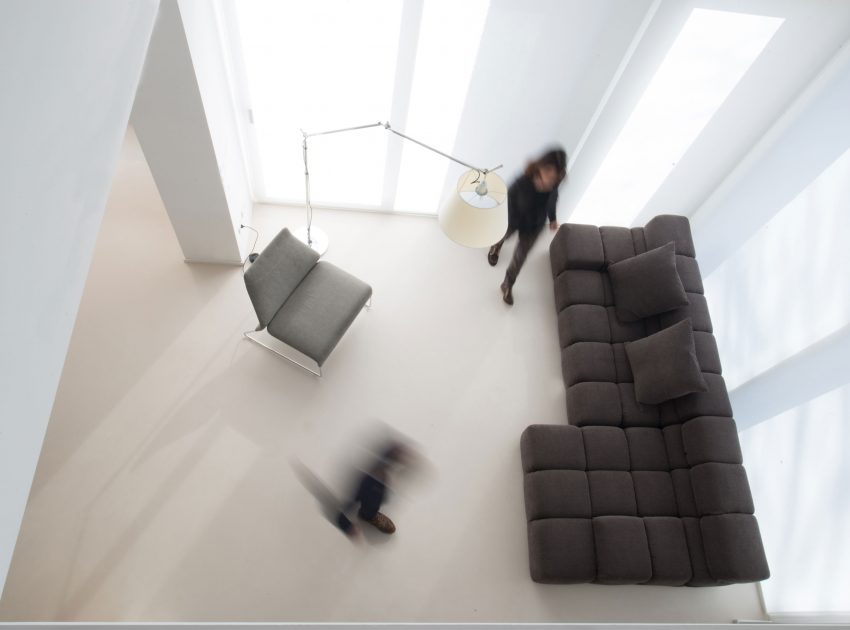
<point>318,241</point>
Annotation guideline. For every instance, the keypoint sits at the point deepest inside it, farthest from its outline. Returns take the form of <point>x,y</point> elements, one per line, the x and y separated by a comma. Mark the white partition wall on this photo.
<point>773,244</point>
<point>68,80</point>
<point>185,119</point>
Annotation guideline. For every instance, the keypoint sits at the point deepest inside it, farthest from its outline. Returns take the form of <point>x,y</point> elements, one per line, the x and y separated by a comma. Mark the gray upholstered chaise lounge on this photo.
<point>630,493</point>
<point>304,303</point>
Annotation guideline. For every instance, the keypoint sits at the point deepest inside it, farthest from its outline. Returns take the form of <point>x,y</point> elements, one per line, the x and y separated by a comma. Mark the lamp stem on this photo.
<point>307,190</point>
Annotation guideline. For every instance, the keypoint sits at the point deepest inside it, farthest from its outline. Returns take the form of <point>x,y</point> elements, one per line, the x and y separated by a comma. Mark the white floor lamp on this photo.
<point>475,215</point>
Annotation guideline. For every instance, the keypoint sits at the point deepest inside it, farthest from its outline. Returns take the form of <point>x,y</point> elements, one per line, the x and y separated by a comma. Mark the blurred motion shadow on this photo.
<point>380,462</point>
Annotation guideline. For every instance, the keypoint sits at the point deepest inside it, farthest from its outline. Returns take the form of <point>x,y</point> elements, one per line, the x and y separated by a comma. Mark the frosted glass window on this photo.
<point>798,471</point>
<point>706,61</point>
<point>781,292</point>
<point>449,37</point>
<point>320,65</point>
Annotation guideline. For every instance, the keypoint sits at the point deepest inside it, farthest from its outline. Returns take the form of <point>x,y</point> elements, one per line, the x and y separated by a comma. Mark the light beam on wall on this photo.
<point>709,57</point>
<point>449,38</point>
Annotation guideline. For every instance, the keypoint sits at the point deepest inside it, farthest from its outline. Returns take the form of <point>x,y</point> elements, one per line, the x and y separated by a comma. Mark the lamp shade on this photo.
<point>471,218</point>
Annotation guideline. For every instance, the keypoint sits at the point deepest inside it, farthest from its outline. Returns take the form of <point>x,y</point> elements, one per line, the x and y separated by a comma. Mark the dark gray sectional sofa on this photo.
<point>632,493</point>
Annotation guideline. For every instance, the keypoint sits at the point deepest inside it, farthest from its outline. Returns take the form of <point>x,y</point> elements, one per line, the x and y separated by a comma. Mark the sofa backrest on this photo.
<point>596,372</point>
<point>589,247</point>
<point>278,270</point>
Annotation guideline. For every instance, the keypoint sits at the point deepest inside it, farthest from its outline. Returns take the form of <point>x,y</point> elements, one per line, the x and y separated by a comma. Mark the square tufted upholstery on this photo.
<point>630,493</point>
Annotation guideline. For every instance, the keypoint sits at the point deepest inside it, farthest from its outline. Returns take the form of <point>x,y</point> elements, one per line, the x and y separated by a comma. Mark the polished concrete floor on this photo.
<point>166,489</point>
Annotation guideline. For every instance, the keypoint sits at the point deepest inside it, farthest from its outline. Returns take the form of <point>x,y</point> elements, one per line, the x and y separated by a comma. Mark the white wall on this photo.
<point>68,78</point>
<point>803,143</point>
<point>185,121</point>
<point>798,469</point>
<point>810,35</point>
<point>540,71</point>
<point>772,243</point>
<point>212,70</point>
<point>786,287</point>
<point>641,62</point>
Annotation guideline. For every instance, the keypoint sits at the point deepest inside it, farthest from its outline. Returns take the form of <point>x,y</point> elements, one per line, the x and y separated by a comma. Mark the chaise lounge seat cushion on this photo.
<point>319,311</point>
<point>304,303</point>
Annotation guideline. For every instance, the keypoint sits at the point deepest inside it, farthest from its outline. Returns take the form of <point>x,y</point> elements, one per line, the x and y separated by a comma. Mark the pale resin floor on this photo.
<point>165,490</point>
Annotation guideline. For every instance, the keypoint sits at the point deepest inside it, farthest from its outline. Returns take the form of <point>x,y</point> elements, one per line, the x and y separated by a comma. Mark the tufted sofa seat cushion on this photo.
<point>610,505</point>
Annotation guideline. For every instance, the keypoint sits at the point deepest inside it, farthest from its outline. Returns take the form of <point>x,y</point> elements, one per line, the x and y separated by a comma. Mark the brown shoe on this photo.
<point>382,523</point>
<point>493,256</point>
<point>507,296</point>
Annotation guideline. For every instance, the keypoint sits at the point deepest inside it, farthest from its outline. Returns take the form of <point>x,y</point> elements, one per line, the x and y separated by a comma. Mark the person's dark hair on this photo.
<point>556,157</point>
<point>393,452</point>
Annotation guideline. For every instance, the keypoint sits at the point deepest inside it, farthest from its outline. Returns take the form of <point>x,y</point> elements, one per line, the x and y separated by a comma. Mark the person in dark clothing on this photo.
<point>532,199</point>
<point>370,492</point>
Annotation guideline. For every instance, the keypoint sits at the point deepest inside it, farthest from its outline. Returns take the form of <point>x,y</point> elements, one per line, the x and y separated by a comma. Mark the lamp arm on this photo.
<point>326,133</point>
<point>445,155</point>
<point>388,127</point>
<point>307,169</point>
<point>385,125</point>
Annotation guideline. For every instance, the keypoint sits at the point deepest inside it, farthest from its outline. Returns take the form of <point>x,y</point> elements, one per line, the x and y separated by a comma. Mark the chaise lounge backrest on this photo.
<point>276,273</point>
<point>306,303</point>
<point>644,467</point>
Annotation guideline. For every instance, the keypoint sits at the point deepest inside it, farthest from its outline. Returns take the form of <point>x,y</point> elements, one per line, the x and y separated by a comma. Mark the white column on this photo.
<point>185,119</point>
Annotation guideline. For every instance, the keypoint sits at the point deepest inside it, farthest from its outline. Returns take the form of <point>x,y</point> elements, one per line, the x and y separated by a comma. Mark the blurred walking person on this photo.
<point>532,200</point>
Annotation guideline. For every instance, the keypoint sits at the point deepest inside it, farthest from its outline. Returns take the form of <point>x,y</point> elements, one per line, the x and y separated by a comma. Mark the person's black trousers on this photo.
<point>525,241</point>
<point>370,495</point>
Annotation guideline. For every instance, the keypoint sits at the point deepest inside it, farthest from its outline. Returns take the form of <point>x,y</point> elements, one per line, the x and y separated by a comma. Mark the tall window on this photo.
<point>329,64</point>
<point>319,65</point>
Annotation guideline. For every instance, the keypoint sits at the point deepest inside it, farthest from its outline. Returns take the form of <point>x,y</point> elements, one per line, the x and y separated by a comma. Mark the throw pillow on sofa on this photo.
<point>665,364</point>
<point>647,284</point>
